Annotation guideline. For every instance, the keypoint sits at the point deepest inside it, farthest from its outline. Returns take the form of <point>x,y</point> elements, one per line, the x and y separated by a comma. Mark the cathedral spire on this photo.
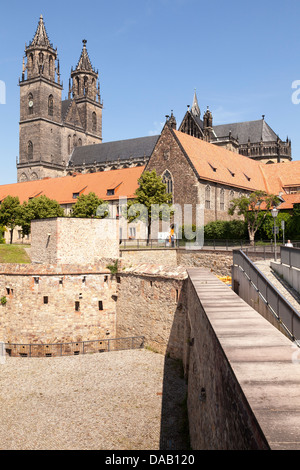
<point>84,77</point>
<point>84,63</point>
<point>41,55</point>
<point>195,110</point>
<point>41,36</point>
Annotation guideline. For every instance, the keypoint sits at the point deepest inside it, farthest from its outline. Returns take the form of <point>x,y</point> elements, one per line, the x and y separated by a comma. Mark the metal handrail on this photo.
<point>290,256</point>
<point>74,347</point>
<point>264,247</point>
<point>278,304</point>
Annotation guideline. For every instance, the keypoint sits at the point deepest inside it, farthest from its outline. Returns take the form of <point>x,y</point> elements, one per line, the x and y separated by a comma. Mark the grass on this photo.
<point>13,254</point>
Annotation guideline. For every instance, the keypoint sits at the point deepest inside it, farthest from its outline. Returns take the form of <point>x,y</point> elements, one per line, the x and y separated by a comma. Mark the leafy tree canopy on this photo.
<point>87,204</point>
<point>152,201</point>
<point>10,213</point>
<point>38,208</point>
<point>254,208</point>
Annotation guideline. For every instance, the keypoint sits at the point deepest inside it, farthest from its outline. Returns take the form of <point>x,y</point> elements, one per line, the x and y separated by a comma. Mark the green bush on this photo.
<point>226,230</point>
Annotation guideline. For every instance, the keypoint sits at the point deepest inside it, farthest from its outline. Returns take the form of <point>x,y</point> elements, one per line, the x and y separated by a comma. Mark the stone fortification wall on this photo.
<point>158,256</point>
<point>67,240</point>
<point>243,374</point>
<point>217,261</point>
<point>151,302</point>
<point>51,304</point>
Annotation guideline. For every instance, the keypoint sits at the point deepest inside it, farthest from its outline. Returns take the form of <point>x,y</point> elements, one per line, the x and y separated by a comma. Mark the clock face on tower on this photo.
<point>30,104</point>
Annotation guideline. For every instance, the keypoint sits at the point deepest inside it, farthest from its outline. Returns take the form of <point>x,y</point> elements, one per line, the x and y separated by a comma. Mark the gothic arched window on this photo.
<point>30,62</point>
<point>94,121</point>
<point>79,142</point>
<point>50,105</point>
<point>85,86</point>
<point>50,66</point>
<point>30,103</point>
<point>69,144</point>
<point>168,181</point>
<point>77,85</point>
<point>207,197</point>
<point>30,150</point>
<point>222,199</point>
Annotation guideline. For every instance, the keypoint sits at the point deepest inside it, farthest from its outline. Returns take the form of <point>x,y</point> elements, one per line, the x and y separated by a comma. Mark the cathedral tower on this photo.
<point>85,90</point>
<point>40,152</point>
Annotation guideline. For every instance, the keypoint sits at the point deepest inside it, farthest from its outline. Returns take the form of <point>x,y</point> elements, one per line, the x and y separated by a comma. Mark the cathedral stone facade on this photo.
<point>50,128</point>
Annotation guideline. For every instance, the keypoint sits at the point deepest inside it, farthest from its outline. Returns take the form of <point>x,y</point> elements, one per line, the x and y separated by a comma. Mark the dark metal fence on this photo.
<point>74,348</point>
<point>265,247</point>
<point>290,256</point>
<point>278,304</point>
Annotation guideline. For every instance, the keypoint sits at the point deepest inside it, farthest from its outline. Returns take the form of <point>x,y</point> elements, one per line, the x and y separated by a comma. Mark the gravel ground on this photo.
<point>111,401</point>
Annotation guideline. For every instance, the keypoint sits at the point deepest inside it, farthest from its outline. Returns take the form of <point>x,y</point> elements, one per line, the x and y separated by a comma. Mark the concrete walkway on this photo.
<point>282,286</point>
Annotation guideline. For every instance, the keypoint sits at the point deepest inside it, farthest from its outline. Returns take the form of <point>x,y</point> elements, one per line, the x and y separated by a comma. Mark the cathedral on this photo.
<point>254,139</point>
<point>60,137</point>
<point>50,128</point>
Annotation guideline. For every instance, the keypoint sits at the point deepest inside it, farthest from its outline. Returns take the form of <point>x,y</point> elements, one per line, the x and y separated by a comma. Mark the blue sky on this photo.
<point>241,57</point>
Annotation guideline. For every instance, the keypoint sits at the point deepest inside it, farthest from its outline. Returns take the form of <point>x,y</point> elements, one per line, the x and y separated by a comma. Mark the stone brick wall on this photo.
<point>219,414</point>
<point>168,155</point>
<point>167,257</point>
<point>74,240</point>
<point>47,304</point>
<point>151,303</point>
<point>218,262</point>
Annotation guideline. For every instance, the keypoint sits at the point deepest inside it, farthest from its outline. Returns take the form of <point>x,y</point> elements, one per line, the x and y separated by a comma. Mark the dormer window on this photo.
<point>212,167</point>
<point>75,195</point>
<point>110,192</point>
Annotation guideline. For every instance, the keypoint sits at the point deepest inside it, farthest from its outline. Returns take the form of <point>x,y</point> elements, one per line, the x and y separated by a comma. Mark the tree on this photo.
<point>266,229</point>
<point>10,213</point>
<point>86,206</point>
<point>294,226</point>
<point>152,201</point>
<point>38,208</point>
<point>254,208</point>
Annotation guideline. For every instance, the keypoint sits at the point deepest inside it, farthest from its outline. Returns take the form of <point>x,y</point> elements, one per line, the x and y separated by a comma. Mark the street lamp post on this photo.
<point>274,213</point>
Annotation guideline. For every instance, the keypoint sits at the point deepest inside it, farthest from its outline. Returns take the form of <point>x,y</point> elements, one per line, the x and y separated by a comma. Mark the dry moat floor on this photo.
<point>125,400</point>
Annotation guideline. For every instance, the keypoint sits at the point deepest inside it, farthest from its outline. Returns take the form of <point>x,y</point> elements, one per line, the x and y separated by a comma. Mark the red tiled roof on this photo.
<point>217,164</point>
<point>124,181</point>
<point>214,163</point>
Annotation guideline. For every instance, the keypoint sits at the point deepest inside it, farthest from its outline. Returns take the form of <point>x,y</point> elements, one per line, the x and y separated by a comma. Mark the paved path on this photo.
<point>283,287</point>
